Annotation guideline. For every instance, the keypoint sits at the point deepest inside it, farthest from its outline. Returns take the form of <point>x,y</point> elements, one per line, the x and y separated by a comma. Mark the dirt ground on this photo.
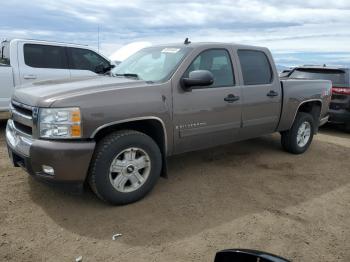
<point>245,195</point>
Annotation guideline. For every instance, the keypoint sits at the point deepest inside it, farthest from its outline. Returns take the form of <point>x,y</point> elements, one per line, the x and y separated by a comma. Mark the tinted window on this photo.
<point>45,56</point>
<point>84,59</point>
<point>256,68</point>
<point>336,76</point>
<point>218,62</point>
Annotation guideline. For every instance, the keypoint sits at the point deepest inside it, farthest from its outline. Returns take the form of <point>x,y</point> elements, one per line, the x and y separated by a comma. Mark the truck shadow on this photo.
<point>204,190</point>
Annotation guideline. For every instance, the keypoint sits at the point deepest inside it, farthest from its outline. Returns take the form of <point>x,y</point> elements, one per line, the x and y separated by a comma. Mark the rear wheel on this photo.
<point>298,139</point>
<point>125,167</point>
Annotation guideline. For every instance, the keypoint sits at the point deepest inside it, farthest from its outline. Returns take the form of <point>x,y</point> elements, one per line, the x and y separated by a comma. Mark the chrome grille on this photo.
<point>22,116</point>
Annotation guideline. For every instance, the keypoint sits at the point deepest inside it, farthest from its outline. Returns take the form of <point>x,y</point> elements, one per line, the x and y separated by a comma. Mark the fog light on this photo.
<point>48,170</point>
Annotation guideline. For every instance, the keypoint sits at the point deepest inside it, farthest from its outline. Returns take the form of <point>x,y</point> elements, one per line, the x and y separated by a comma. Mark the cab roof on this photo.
<point>38,41</point>
<point>209,44</point>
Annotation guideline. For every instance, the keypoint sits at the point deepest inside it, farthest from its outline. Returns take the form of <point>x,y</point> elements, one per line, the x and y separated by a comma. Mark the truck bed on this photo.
<point>296,92</point>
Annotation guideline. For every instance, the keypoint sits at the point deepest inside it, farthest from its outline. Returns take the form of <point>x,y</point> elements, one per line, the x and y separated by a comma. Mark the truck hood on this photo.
<point>45,93</point>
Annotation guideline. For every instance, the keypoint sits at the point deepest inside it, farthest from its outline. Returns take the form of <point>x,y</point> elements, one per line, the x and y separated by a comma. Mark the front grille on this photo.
<point>22,116</point>
<point>23,128</point>
<point>25,110</point>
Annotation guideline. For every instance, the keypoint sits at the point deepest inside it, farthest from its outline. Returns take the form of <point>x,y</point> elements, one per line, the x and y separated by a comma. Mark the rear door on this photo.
<point>261,93</point>
<point>85,62</point>
<point>207,116</point>
<point>40,62</point>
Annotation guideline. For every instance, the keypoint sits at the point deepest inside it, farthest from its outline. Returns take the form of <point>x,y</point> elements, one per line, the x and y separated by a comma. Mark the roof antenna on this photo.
<point>187,41</point>
<point>98,39</point>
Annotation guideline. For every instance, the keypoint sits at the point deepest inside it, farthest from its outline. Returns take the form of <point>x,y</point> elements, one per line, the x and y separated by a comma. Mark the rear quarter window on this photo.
<point>45,56</point>
<point>256,67</point>
<point>338,77</point>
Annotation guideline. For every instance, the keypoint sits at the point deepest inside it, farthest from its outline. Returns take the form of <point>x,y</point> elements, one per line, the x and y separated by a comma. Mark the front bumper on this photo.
<point>70,160</point>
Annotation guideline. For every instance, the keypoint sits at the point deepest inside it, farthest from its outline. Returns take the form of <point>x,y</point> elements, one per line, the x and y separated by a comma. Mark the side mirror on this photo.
<point>101,69</point>
<point>246,255</point>
<point>197,78</point>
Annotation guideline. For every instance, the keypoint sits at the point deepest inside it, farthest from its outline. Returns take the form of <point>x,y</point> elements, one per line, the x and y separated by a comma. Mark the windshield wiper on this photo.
<point>129,75</point>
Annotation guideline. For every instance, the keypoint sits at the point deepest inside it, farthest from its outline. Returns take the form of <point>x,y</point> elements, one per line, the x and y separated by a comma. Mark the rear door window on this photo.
<point>45,56</point>
<point>338,77</point>
<point>84,59</point>
<point>256,68</point>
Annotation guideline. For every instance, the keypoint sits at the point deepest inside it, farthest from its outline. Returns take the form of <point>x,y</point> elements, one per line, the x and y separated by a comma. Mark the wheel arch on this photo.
<point>312,106</point>
<point>151,126</point>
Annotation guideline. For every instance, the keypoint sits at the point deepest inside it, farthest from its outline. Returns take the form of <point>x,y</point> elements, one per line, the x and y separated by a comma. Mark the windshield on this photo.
<point>154,64</point>
<point>336,76</point>
<point>4,53</point>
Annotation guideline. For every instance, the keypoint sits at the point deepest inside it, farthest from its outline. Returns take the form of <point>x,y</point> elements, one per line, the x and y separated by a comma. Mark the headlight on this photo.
<point>60,123</point>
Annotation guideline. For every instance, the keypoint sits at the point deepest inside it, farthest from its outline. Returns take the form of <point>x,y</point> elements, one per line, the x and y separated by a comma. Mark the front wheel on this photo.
<point>298,139</point>
<point>125,167</point>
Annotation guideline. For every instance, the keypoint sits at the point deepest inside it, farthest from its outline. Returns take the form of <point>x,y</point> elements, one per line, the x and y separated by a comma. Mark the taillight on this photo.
<point>341,90</point>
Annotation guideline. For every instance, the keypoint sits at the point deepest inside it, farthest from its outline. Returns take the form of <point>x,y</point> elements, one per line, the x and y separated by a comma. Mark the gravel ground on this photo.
<point>249,195</point>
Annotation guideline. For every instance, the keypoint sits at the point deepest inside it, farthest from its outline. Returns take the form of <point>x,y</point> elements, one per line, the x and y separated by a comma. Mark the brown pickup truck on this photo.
<point>116,131</point>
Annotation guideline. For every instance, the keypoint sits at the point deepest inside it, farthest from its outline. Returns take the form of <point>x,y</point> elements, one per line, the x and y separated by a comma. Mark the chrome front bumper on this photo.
<point>18,141</point>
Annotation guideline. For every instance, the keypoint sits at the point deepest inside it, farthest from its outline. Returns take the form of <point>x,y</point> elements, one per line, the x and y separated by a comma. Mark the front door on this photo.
<point>210,115</point>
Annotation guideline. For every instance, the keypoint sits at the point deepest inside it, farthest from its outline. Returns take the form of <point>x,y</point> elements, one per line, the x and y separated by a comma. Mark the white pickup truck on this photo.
<point>25,61</point>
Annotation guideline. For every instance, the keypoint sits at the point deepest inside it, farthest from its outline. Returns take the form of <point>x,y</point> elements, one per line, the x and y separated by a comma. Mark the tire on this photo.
<point>112,175</point>
<point>289,139</point>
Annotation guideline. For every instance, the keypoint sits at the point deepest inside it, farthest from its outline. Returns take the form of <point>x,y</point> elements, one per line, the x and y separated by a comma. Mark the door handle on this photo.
<point>231,98</point>
<point>29,76</point>
<point>272,93</point>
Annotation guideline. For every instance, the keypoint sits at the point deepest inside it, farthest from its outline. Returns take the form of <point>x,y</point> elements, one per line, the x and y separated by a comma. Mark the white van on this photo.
<point>25,61</point>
